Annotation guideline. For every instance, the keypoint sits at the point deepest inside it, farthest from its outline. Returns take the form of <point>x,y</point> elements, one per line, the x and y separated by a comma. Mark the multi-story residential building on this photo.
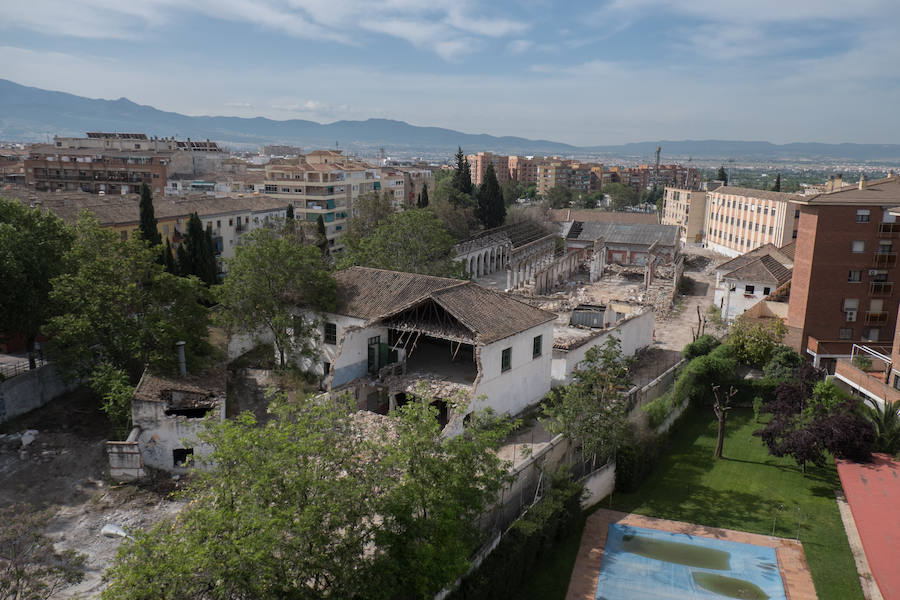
<point>324,182</point>
<point>479,162</point>
<point>844,286</point>
<point>686,208</point>
<point>50,168</point>
<point>871,371</point>
<point>580,178</point>
<point>393,182</point>
<point>551,174</point>
<point>741,219</point>
<point>523,168</point>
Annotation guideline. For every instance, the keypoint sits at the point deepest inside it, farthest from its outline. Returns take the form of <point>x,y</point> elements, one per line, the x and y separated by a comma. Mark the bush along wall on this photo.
<point>529,540</point>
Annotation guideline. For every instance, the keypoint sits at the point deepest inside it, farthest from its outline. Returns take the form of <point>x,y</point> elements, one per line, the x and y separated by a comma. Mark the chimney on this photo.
<point>862,181</point>
<point>890,174</point>
<point>829,187</point>
<point>182,364</point>
<point>838,181</point>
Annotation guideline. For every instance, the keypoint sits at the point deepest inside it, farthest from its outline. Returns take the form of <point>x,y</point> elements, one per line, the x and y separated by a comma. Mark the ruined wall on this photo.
<point>31,390</point>
<point>161,434</point>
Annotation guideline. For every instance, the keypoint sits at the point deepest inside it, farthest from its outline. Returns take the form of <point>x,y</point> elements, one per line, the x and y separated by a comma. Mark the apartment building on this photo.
<point>845,267</point>
<point>393,182</point>
<point>523,168</point>
<point>686,208</point>
<point>871,371</point>
<point>51,168</point>
<point>741,219</point>
<point>551,174</point>
<point>478,164</point>
<point>323,182</point>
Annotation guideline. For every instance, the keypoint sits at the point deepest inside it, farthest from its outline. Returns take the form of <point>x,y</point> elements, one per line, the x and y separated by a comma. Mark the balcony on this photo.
<point>881,288</point>
<point>888,230</point>
<point>876,318</point>
<point>884,259</point>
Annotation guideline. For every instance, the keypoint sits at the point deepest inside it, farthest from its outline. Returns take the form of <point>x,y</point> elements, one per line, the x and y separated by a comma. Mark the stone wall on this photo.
<point>30,390</point>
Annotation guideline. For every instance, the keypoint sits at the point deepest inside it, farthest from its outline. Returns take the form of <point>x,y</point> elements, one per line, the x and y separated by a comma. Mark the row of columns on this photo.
<point>558,272</point>
<point>487,261</point>
<point>520,272</point>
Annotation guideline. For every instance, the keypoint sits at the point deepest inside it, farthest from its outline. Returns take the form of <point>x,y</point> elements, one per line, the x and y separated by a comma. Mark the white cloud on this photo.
<point>518,46</point>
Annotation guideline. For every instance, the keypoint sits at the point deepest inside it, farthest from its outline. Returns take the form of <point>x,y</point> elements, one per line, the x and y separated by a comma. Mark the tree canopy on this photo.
<point>147,226</point>
<point>491,210</point>
<point>270,276</point>
<point>321,503</point>
<point>414,241</point>
<point>422,200</point>
<point>196,254</point>
<point>559,197</point>
<point>621,196</point>
<point>462,177</point>
<point>721,175</point>
<point>116,304</point>
<point>32,247</point>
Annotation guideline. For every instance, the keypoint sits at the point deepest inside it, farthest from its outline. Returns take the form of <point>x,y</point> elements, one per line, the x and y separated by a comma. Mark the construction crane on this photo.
<point>656,170</point>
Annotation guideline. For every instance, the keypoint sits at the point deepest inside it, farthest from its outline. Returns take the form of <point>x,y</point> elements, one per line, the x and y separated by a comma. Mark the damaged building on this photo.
<point>521,251</point>
<point>393,332</point>
<point>167,415</point>
<point>627,244</point>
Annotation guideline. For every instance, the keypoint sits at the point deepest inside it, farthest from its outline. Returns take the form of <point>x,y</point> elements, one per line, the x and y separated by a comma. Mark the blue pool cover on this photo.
<point>643,563</point>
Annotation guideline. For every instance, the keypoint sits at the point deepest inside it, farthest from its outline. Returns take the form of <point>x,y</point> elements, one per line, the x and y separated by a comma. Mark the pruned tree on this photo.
<point>721,406</point>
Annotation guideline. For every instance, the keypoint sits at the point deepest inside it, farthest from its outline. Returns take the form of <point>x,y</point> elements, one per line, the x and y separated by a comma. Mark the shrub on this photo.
<point>658,410</point>
<point>702,346</point>
<point>757,407</point>
<point>782,365</point>
<point>863,363</point>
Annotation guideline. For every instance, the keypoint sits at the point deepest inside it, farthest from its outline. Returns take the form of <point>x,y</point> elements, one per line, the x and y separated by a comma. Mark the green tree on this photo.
<point>30,567</point>
<point>512,191</point>
<point>621,196</point>
<point>459,220</point>
<point>147,227</point>
<point>777,186</point>
<point>196,254</point>
<point>169,259</point>
<point>117,305</point>
<point>721,175</point>
<point>112,385</point>
<point>319,503</point>
<point>462,178</point>
<point>32,247</point>
<point>422,201</point>
<point>755,344</point>
<point>491,210</point>
<point>591,411</point>
<point>270,279</point>
<point>414,241</point>
<point>886,419</point>
<point>289,212</point>
<point>782,365</point>
<point>321,236</point>
<point>559,197</point>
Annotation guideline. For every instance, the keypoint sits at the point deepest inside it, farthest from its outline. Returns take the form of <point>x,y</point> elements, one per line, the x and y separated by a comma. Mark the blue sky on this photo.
<point>577,72</point>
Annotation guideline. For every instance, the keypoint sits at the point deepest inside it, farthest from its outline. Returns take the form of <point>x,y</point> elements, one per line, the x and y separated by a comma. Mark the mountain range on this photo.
<point>31,114</point>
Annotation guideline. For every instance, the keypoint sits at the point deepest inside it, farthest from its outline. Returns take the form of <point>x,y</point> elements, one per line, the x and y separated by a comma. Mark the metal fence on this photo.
<point>9,370</point>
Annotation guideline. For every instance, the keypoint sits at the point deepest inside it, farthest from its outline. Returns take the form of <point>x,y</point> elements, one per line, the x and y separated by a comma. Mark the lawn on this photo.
<point>748,491</point>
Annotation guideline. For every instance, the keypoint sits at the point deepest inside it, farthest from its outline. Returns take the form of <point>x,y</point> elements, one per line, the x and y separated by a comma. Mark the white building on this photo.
<point>743,281</point>
<point>393,332</point>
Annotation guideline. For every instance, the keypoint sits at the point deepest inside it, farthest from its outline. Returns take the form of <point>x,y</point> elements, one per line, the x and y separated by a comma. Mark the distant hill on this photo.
<point>30,114</point>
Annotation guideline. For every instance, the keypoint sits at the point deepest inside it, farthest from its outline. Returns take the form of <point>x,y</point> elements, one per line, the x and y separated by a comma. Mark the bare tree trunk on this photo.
<point>720,442</point>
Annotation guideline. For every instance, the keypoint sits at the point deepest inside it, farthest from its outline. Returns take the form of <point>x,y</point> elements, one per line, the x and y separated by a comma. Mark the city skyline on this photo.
<point>590,74</point>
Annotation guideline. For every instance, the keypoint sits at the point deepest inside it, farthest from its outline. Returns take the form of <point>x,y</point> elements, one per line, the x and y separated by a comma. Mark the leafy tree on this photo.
<point>369,211</point>
<point>147,228</point>
<point>414,241</point>
<point>270,277</point>
<point>531,191</point>
<point>491,210</point>
<point>886,420</point>
<point>459,221</point>
<point>30,567</point>
<point>321,236</point>
<point>422,201</point>
<point>196,254</point>
<point>512,191</point>
<point>118,305</point>
<point>289,212</point>
<point>777,186</point>
<point>591,411</point>
<point>462,178</point>
<point>559,197</point>
<point>621,196</point>
<point>721,175</point>
<point>169,259</point>
<point>32,247</point>
<point>320,503</point>
<point>755,344</point>
<point>702,346</point>
<point>782,365</point>
<point>112,385</point>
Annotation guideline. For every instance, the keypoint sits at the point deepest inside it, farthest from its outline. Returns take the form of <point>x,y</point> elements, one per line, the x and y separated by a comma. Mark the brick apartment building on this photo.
<point>844,286</point>
<point>478,164</point>
<point>50,168</point>
<point>523,169</point>
<point>741,219</point>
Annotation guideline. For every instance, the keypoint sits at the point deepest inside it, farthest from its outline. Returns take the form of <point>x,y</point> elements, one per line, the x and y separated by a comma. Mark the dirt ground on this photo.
<point>64,469</point>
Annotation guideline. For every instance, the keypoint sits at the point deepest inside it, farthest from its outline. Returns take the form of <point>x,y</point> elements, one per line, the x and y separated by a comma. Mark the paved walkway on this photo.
<point>873,492</point>
<point>798,584</point>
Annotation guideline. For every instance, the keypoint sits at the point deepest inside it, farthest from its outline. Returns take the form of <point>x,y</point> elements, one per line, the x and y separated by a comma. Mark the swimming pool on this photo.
<point>643,563</point>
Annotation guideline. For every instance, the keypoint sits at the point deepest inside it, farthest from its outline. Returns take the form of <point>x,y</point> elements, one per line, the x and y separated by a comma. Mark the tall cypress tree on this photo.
<point>321,236</point>
<point>423,197</point>
<point>462,178</point>
<point>196,255</point>
<point>148,228</point>
<point>491,209</point>
<point>169,259</point>
<point>721,175</point>
<point>777,186</point>
<point>289,215</point>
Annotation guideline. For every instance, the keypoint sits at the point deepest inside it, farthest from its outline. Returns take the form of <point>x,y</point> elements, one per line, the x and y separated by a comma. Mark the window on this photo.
<point>845,333</point>
<point>771,230</point>
<point>858,246</point>
<point>862,215</point>
<point>794,235</point>
<point>218,224</point>
<point>124,235</point>
<point>749,289</point>
<point>797,214</point>
<point>331,333</point>
<point>897,382</point>
<point>773,212</point>
<point>872,334</point>
<point>851,305</point>
<point>766,291</point>
<point>181,456</point>
<point>506,360</point>
<point>885,246</point>
<point>765,210</point>
<point>854,276</point>
<point>536,346</point>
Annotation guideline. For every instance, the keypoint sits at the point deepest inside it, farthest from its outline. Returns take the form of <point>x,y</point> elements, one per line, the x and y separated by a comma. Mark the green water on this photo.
<point>678,553</point>
<point>729,586</point>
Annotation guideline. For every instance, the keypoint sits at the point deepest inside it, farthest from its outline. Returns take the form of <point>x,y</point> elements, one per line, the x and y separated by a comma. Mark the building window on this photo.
<point>794,235</point>
<point>749,289</point>
<point>124,235</point>
<point>845,333</point>
<point>872,334</point>
<point>766,291</point>
<point>331,333</point>
<point>854,276</point>
<point>897,382</point>
<point>536,346</point>
<point>181,456</point>
<point>862,215</point>
<point>858,246</point>
<point>771,230</point>
<point>797,214</point>
<point>506,360</point>
<point>851,305</point>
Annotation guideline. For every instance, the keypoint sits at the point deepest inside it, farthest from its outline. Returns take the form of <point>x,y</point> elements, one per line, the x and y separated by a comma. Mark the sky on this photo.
<point>581,72</point>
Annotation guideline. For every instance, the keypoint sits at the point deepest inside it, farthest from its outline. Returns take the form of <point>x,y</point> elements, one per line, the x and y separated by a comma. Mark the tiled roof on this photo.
<point>588,215</point>
<point>376,294</point>
<point>642,234</point>
<point>788,250</point>
<point>754,193</point>
<point>883,192</point>
<point>764,269</point>
<point>764,250</point>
